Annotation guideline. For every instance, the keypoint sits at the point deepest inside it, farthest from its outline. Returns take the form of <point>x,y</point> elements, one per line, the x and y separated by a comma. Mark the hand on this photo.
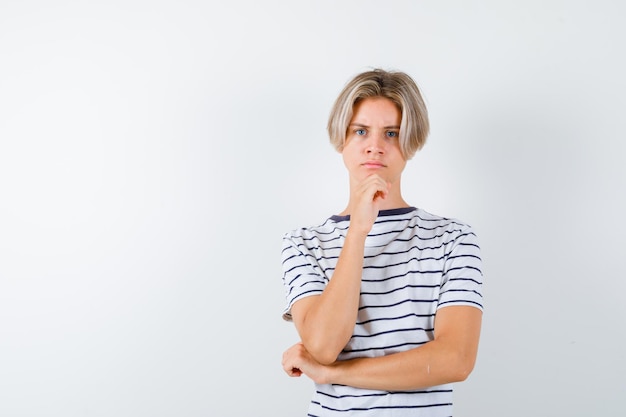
<point>298,361</point>
<point>368,196</point>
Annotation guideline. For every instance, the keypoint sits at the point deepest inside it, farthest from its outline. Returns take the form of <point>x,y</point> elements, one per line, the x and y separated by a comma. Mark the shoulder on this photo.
<point>427,217</point>
<point>327,227</point>
<point>438,224</point>
<point>450,234</point>
<point>328,234</point>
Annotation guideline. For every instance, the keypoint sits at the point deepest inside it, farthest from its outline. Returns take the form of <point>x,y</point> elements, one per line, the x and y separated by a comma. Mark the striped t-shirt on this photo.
<point>414,263</point>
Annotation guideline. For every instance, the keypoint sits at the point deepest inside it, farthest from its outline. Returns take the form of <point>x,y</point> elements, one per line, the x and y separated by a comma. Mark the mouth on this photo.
<point>373,164</point>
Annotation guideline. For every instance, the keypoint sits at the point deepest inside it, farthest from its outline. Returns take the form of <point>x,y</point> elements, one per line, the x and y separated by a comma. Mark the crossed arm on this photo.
<point>449,357</point>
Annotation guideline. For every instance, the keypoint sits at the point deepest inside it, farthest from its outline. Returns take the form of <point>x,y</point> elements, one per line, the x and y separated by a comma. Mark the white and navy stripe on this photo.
<point>414,263</point>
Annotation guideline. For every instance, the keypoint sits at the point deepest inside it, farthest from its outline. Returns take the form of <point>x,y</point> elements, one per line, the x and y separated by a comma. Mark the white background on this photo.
<point>152,154</point>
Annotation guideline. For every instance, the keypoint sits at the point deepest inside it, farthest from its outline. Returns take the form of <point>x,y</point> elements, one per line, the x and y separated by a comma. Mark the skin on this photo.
<point>325,322</point>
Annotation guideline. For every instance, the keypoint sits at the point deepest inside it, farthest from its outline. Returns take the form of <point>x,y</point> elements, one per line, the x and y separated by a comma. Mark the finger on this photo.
<point>379,184</point>
<point>375,190</point>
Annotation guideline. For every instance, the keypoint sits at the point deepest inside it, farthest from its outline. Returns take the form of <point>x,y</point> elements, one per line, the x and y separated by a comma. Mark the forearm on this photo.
<point>329,321</point>
<point>433,364</point>
<point>450,357</point>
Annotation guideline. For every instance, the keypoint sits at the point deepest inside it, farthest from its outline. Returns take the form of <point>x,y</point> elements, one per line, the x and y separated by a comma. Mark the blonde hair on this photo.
<point>397,87</point>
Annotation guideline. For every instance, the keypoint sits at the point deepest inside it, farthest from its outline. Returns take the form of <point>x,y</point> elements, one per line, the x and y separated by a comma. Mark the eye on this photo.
<point>392,134</point>
<point>360,132</point>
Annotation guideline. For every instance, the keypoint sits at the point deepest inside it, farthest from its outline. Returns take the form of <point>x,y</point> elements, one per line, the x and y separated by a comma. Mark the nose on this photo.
<point>376,145</point>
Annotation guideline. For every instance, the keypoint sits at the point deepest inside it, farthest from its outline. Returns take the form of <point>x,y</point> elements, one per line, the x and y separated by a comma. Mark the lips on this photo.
<point>373,164</point>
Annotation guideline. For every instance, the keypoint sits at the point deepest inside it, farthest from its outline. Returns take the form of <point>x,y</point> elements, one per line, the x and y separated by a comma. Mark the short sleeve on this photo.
<point>462,274</point>
<point>302,276</point>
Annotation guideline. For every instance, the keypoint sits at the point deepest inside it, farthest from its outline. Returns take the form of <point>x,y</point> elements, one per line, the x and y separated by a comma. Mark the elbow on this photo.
<point>326,360</point>
<point>324,356</point>
<point>461,374</point>
<point>323,353</point>
<point>464,365</point>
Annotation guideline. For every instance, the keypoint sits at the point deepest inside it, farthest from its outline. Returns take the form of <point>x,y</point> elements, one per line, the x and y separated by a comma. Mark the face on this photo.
<point>372,142</point>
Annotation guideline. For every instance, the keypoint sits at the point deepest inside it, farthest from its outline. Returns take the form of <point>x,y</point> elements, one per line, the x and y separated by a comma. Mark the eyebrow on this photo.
<point>384,127</point>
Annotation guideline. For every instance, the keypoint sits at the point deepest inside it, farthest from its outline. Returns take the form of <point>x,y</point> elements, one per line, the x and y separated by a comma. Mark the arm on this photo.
<point>325,322</point>
<point>449,357</point>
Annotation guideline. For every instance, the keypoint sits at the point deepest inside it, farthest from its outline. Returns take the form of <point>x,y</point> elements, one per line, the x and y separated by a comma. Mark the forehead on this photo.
<point>376,111</point>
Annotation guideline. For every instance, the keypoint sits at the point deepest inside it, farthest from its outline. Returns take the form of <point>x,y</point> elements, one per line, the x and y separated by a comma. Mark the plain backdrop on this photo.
<point>153,153</point>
